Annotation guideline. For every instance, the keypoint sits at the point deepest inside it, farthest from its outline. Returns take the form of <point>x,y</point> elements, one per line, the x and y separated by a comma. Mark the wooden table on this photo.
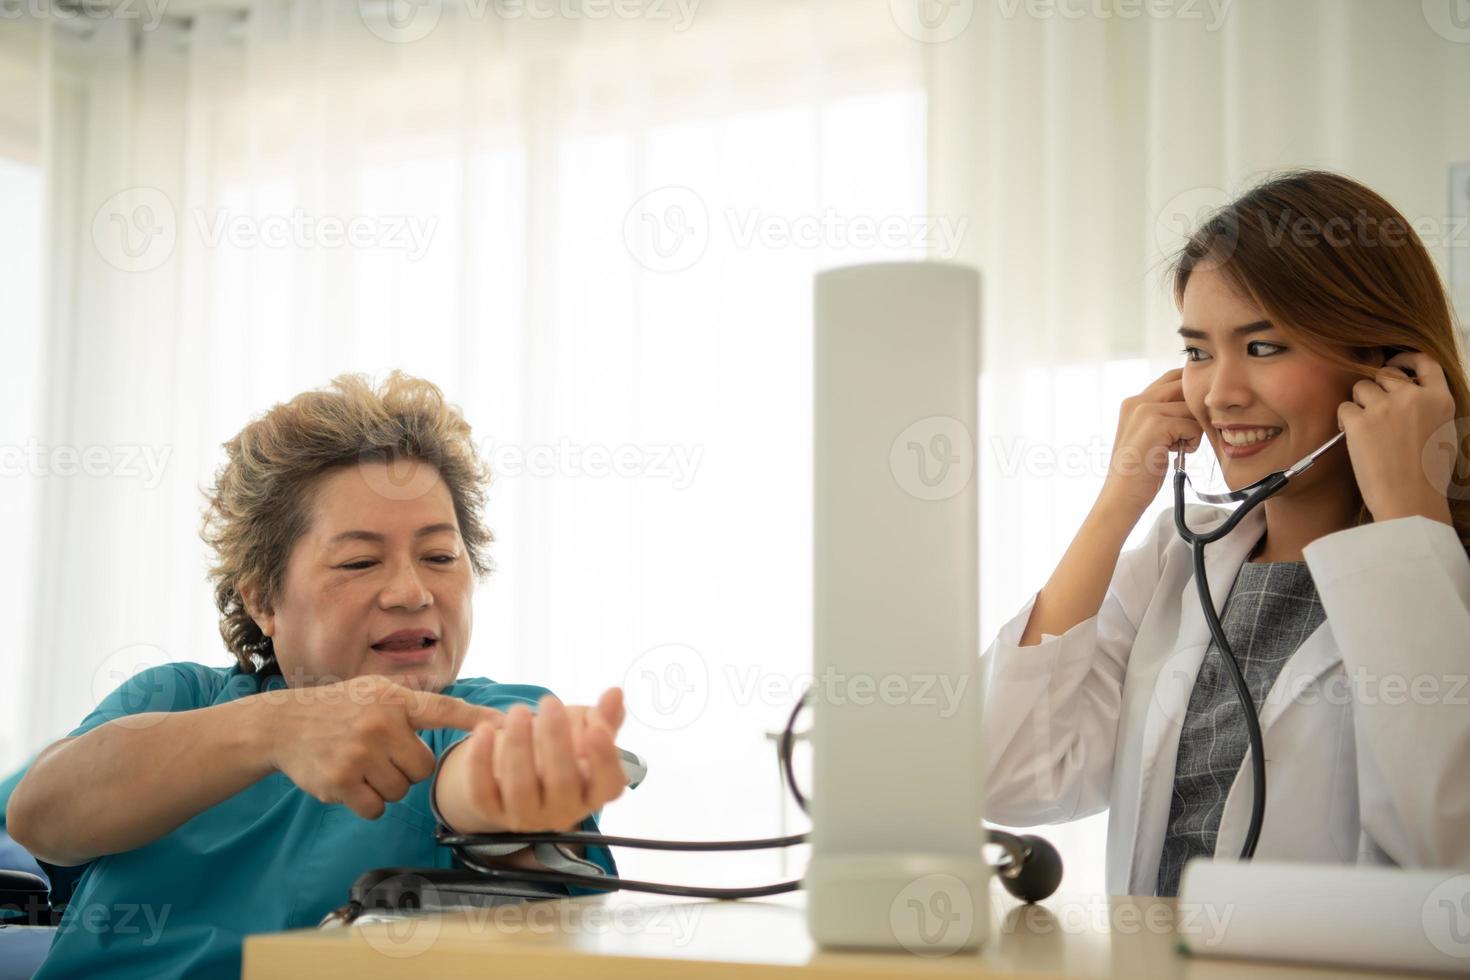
<point>639,937</point>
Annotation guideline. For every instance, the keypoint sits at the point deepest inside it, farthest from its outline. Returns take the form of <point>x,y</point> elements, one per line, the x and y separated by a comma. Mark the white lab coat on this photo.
<point>1362,766</point>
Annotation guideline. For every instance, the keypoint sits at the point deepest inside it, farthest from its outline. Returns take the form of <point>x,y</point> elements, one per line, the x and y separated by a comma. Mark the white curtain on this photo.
<point>598,236</point>
<point>22,342</point>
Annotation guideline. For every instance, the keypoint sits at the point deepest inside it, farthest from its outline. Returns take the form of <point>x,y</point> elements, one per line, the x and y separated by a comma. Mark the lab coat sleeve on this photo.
<point>1051,710</point>
<point>1397,599</point>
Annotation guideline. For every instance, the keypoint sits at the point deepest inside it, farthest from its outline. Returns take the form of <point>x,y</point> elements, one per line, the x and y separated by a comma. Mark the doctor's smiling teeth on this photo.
<point>1240,441</point>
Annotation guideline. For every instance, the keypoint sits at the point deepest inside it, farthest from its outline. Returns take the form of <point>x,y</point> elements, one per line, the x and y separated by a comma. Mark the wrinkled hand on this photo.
<point>355,742</point>
<point>546,770</point>
<point>1402,451</point>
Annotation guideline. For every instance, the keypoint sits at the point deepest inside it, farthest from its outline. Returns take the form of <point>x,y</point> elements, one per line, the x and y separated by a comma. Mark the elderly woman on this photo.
<point>199,804</point>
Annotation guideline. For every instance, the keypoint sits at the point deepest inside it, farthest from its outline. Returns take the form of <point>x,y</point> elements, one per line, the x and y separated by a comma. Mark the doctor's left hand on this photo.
<point>1402,452</point>
<point>545,770</point>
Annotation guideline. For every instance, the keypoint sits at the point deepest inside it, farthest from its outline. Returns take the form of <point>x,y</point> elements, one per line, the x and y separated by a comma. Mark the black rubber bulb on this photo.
<point>1041,872</point>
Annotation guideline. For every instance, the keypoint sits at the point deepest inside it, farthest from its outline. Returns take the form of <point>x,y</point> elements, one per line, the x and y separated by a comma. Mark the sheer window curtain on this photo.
<point>22,334</point>
<point>598,236</point>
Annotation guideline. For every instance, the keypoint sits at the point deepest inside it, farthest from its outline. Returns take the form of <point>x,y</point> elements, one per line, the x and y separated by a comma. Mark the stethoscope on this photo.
<point>1248,497</point>
<point>1031,869</point>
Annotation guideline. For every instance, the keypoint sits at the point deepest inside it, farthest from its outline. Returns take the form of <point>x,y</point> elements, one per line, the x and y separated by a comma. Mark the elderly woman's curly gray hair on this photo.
<point>262,497</point>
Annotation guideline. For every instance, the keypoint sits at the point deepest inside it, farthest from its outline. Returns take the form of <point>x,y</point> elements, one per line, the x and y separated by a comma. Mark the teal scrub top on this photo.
<point>271,857</point>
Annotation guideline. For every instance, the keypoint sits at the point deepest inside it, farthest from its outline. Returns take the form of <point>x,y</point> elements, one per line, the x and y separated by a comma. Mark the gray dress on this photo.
<point>1272,608</point>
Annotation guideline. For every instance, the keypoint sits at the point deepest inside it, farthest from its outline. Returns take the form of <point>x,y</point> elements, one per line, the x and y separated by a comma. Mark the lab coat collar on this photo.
<point>1175,683</point>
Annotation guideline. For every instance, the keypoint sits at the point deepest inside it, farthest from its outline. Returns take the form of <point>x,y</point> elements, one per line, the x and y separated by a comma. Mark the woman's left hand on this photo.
<point>546,771</point>
<point>1402,452</point>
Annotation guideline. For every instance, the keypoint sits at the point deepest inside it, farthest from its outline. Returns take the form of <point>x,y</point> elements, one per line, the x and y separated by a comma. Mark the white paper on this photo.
<point>1366,917</point>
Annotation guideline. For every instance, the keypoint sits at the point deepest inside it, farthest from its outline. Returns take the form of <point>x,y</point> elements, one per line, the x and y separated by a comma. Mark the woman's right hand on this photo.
<point>1150,424</point>
<point>355,742</point>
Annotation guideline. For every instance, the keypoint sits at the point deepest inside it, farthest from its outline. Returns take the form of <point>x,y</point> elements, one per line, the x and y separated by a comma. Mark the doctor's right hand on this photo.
<point>1150,424</point>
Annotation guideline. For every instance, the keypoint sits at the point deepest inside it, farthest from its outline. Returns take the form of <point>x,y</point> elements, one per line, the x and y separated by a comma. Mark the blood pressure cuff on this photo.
<point>555,857</point>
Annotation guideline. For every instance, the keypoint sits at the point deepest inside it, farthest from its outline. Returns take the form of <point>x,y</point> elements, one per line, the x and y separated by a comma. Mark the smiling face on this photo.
<point>1259,378</point>
<point>368,567</point>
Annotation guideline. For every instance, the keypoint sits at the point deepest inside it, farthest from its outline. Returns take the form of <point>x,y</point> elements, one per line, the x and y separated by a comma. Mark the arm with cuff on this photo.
<point>451,777</point>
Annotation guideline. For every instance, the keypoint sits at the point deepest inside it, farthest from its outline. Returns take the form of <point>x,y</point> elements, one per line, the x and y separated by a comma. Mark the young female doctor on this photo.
<point>1309,307</point>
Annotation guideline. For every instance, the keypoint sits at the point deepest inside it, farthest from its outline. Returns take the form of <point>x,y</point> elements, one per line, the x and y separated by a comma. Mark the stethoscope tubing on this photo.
<point>1255,495</point>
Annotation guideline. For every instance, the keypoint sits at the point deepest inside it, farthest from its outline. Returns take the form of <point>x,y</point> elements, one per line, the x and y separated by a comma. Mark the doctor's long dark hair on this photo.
<point>1340,271</point>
